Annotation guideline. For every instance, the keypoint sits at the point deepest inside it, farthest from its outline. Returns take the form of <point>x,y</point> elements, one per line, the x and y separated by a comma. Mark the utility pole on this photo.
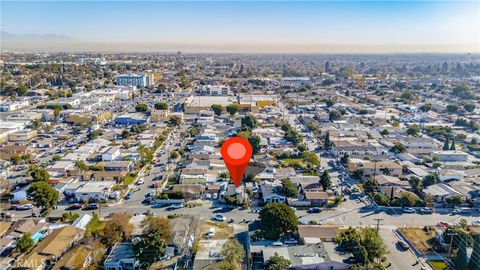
<point>450,245</point>
<point>378,222</point>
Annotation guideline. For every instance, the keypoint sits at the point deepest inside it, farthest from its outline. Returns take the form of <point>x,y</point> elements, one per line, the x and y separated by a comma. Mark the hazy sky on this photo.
<point>286,22</point>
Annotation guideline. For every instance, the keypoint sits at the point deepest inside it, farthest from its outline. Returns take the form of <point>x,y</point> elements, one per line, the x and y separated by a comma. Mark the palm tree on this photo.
<point>81,166</point>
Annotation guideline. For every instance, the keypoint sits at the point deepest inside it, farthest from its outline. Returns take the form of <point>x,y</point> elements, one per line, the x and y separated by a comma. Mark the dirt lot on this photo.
<point>419,238</point>
<point>222,230</point>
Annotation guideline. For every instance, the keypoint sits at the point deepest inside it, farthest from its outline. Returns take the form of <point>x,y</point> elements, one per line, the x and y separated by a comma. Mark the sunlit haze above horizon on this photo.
<point>214,23</point>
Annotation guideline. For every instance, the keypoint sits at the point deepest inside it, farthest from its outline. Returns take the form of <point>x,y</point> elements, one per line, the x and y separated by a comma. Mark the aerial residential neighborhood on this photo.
<point>167,143</point>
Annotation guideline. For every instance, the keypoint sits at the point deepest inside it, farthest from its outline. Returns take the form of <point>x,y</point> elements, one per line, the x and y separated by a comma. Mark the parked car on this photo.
<point>140,181</point>
<point>476,223</point>
<point>403,245</point>
<point>175,206</point>
<point>128,196</point>
<point>219,217</point>
<point>314,210</point>
<point>7,215</point>
<point>211,232</point>
<point>91,206</point>
<point>75,206</point>
<point>444,224</point>
<point>27,206</point>
<point>408,210</point>
<point>426,210</point>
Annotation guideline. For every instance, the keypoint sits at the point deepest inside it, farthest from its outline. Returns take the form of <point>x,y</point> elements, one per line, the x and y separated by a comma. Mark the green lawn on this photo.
<point>438,265</point>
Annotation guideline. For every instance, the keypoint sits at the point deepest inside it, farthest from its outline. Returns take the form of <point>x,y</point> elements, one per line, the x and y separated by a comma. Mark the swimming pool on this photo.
<point>36,237</point>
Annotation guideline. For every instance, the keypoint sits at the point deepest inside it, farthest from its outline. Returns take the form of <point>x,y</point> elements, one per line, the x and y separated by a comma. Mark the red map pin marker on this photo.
<point>236,152</point>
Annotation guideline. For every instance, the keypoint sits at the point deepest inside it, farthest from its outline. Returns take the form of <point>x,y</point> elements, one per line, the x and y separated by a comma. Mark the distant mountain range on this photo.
<point>9,38</point>
<point>64,43</point>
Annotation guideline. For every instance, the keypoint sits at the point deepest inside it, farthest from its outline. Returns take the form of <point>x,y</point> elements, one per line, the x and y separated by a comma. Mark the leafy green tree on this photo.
<point>398,148</point>
<point>360,254</point>
<point>325,180</point>
<point>56,157</point>
<point>25,243</point>
<point>469,107</point>
<point>161,106</point>
<point>254,141</point>
<point>69,217</point>
<point>353,240</point>
<point>416,184</point>
<point>174,120</point>
<point>380,199</point>
<point>232,109</point>
<point>454,200</point>
<point>42,195</point>
<point>334,115</point>
<point>217,109</point>
<point>452,146</point>
<point>117,229</point>
<point>289,188</point>
<point>330,102</point>
<point>370,185</point>
<point>426,107</point>
<point>39,174</point>
<point>461,261</point>
<point>277,262</point>
<point>430,179</point>
<point>249,121</point>
<point>452,108</point>
<point>15,159</point>
<point>413,130</point>
<point>385,132</point>
<point>408,199</point>
<point>277,219</point>
<point>446,144</point>
<point>358,174</point>
<point>141,107</point>
<point>126,134</point>
<point>474,262</point>
<point>149,248</point>
<point>233,253</point>
<point>463,92</point>
<point>311,158</point>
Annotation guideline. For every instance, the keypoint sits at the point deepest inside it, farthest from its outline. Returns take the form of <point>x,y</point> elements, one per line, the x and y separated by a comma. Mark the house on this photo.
<point>7,151</point>
<point>271,193</point>
<point>439,192</point>
<point>312,234</point>
<point>111,153</point>
<point>371,168</point>
<point>190,192</point>
<point>450,156</point>
<point>50,249</point>
<point>160,115</point>
<point>22,136</point>
<point>388,181</point>
<point>449,175</point>
<point>396,191</point>
<point>209,254</point>
<point>285,172</point>
<point>116,176</point>
<point>121,257</point>
<point>300,257</point>
<point>70,261</point>
<point>318,198</point>
<point>116,166</point>
<point>94,191</point>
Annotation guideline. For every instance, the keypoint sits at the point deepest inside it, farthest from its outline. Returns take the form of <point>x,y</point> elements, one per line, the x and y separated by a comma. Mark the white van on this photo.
<point>211,233</point>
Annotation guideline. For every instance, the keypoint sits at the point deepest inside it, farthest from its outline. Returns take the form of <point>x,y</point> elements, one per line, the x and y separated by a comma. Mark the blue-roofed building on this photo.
<point>132,119</point>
